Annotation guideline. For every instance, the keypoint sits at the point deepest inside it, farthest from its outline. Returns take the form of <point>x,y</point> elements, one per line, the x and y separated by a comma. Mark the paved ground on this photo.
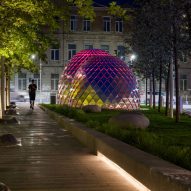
<point>50,159</point>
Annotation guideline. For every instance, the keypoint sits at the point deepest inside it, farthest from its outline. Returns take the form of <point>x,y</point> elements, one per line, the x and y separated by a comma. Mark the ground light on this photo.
<point>123,173</point>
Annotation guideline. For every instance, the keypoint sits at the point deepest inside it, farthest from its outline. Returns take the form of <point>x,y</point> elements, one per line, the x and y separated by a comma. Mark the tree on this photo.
<point>160,29</point>
<point>147,40</point>
<point>28,27</point>
<point>22,24</point>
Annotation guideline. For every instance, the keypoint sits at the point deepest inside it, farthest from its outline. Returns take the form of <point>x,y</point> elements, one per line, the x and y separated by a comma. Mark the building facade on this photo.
<point>185,79</point>
<point>106,32</point>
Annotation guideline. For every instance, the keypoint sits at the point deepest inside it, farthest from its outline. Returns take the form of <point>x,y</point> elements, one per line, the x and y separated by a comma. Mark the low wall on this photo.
<point>153,172</point>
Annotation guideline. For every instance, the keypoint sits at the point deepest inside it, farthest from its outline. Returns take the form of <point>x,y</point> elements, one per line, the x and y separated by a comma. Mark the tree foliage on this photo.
<point>22,24</point>
<point>161,33</point>
<point>28,26</point>
<point>152,29</point>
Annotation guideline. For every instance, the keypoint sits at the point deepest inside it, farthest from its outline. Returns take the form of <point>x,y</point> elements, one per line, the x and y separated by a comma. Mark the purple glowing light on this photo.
<point>98,78</point>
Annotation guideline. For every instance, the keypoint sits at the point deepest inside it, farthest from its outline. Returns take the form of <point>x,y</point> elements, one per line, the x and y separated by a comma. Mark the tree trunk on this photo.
<point>2,89</point>
<point>7,88</point>
<point>1,112</point>
<point>167,91</point>
<point>171,83</point>
<point>146,89</point>
<point>176,71</point>
<point>154,104</point>
<point>160,88</point>
<point>151,93</point>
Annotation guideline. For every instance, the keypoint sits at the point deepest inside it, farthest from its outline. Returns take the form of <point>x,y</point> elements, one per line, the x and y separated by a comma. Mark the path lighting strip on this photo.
<point>123,173</point>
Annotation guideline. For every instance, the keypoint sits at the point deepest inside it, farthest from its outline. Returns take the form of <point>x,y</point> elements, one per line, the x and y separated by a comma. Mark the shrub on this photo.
<point>163,138</point>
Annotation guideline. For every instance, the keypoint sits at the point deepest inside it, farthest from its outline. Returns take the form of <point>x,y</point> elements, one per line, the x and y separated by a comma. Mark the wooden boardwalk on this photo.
<point>50,159</point>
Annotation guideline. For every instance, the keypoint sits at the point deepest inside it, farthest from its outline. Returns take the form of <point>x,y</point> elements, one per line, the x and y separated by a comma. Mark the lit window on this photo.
<point>120,51</point>
<point>183,82</point>
<point>105,47</point>
<point>107,24</point>
<point>88,46</point>
<point>22,81</point>
<point>54,54</point>
<point>54,81</point>
<point>119,25</point>
<point>71,50</point>
<point>73,23</point>
<point>86,25</point>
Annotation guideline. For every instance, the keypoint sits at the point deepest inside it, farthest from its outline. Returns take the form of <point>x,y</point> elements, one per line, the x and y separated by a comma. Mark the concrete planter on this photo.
<point>153,172</point>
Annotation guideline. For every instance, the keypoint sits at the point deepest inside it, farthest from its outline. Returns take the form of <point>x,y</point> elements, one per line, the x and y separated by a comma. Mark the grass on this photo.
<point>164,137</point>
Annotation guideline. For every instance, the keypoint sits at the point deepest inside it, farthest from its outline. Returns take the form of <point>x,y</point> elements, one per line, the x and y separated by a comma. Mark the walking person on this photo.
<point>32,93</point>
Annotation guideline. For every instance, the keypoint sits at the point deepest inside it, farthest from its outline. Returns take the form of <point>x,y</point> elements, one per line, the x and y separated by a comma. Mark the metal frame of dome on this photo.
<point>94,77</point>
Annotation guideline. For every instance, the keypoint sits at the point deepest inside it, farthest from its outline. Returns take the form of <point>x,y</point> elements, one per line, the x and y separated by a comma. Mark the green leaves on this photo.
<point>28,26</point>
<point>23,24</point>
<point>152,31</point>
<point>84,8</point>
<point>118,11</point>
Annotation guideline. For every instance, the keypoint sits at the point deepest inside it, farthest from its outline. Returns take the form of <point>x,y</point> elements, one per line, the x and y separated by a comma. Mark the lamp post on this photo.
<point>40,70</point>
<point>33,56</point>
<point>132,57</point>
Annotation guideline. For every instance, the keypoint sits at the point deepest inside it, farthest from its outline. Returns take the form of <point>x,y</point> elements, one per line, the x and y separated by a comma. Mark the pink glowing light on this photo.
<point>98,78</point>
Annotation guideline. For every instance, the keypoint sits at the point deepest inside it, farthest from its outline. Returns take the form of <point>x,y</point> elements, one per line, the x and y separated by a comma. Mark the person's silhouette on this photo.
<point>32,94</point>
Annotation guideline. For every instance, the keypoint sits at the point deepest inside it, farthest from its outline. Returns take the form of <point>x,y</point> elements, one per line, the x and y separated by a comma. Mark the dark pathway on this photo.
<point>50,159</point>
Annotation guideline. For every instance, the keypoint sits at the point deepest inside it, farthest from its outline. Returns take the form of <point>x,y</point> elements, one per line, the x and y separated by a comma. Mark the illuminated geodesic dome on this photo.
<point>94,77</point>
<point>79,59</point>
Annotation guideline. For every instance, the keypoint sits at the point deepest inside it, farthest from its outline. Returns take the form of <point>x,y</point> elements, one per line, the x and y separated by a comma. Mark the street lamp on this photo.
<point>132,58</point>
<point>33,56</point>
